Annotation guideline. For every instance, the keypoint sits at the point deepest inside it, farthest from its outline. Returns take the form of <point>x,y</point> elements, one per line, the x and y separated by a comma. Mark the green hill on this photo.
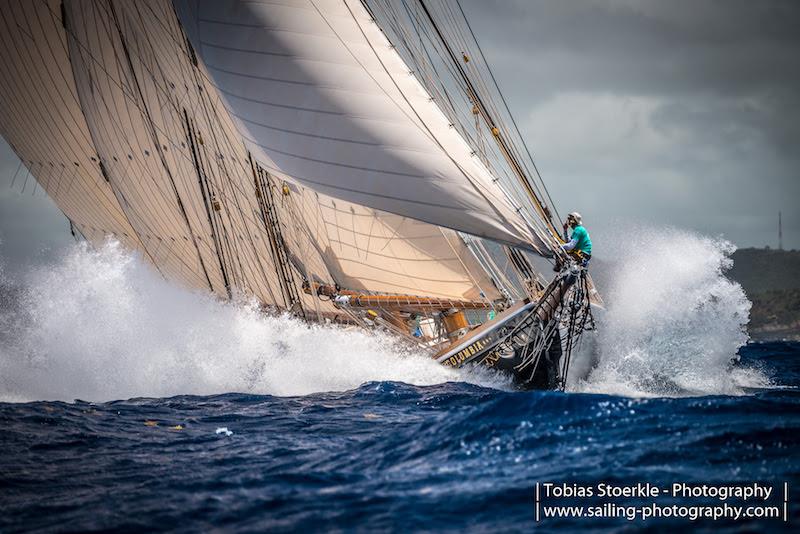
<point>771,279</point>
<point>760,270</point>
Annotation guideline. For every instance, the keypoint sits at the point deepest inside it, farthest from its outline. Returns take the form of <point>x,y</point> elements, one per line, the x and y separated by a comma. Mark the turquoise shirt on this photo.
<point>582,241</point>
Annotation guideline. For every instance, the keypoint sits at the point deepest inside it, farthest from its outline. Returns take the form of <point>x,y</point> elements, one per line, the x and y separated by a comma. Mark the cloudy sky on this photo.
<point>684,112</point>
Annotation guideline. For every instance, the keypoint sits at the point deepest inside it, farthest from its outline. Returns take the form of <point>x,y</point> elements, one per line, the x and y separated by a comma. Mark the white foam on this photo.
<point>101,325</point>
<point>674,322</point>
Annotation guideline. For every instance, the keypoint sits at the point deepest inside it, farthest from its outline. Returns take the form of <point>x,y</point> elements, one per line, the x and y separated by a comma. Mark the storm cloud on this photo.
<point>682,112</point>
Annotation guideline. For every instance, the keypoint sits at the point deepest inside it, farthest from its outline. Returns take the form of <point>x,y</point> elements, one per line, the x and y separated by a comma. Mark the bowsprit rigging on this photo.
<point>344,161</point>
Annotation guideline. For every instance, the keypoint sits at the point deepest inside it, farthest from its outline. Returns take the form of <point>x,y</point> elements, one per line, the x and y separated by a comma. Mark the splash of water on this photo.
<point>674,322</point>
<point>101,325</point>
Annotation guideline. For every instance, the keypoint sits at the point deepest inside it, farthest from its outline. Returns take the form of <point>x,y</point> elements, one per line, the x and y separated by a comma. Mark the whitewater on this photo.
<point>102,324</point>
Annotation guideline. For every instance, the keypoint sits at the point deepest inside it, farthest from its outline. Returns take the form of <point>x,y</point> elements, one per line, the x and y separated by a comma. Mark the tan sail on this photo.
<point>41,119</point>
<point>166,148</point>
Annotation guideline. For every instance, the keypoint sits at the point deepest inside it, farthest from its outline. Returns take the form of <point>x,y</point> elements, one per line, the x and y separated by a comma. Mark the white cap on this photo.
<point>575,215</point>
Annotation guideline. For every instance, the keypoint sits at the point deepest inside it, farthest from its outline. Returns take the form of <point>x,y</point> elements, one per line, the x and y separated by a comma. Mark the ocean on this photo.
<point>128,404</point>
<point>385,456</point>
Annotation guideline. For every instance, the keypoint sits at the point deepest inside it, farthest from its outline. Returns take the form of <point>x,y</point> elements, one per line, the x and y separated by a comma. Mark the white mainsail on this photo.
<point>319,94</point>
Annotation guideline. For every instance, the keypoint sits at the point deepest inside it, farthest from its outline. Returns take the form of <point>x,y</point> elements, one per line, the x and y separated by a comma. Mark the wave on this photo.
<point>101,325</point>
<point>674,322</point>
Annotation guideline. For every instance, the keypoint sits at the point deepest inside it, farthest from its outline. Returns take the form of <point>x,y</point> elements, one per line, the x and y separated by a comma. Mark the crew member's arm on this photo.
<point>570,245</point>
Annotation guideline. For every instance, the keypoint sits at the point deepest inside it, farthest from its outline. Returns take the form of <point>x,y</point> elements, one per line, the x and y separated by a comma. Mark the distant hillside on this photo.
<point>771,279</point>
<point>760,270</point>
<point>776,307</point>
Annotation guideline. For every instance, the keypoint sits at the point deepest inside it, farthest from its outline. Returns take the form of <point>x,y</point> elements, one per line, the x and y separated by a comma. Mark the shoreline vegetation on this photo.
<point>770,280</point>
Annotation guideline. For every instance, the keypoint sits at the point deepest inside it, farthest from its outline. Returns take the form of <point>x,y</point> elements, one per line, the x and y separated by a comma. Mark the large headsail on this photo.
<point>170,168</point>
<point>320,94</point>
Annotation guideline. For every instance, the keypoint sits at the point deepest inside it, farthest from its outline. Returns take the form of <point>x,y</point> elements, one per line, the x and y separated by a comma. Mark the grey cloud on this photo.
<point>718,91</point>
<point>673,46</point>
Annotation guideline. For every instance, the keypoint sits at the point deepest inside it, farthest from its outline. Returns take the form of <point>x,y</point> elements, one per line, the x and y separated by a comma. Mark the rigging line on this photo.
<point>505,104</point>
<point>419,122</point>
<point>502,278</point>
<point>218,229</point>
<point>483,294</point>
<point>419,28</point>
<point>290,208</point>
<point>252,243</point>
<point>422,66</point>
<point>154,137</point>
<point>463,171</point>
<point>15,174</point>
<point>283,261</point>
<point>206,201</point>
<point>427,65</point>
<point>430,65</point>
<point>222,233</point>
<point>474,68</point>
<point>27,176</point>
<point>482,106</point>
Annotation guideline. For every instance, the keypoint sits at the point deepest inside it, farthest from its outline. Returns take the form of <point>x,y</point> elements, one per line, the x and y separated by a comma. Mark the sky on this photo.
<point>682,113</point>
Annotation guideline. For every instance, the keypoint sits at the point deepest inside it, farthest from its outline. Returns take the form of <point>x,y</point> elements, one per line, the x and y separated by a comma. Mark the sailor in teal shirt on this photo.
<point>579,241</point>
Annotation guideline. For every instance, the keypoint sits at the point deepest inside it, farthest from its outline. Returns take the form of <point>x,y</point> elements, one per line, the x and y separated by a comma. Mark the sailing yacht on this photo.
<point>344,161</point>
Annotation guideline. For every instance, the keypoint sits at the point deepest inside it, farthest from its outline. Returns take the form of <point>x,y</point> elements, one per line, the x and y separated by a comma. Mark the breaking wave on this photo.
<point>101,325</point>
<point>674,322</point>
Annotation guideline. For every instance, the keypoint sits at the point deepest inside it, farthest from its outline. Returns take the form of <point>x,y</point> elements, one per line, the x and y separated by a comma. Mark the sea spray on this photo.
<point>101,325</point>
<point>673,322</point>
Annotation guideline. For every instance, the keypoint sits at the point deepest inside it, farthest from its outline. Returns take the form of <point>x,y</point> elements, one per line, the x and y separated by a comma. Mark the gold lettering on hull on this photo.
<point>491,359</point>
<point>461,356</point>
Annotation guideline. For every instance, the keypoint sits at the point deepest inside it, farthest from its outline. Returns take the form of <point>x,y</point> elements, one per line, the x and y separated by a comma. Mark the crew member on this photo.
<point>578,244</point>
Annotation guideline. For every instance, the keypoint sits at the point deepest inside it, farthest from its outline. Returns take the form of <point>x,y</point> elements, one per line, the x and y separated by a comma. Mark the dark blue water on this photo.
<point>386,456</point>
